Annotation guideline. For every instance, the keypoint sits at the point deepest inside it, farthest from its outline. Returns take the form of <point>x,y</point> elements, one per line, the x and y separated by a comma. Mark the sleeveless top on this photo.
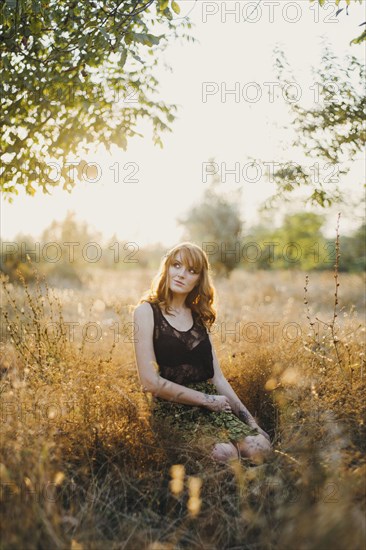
<point>182,356</point>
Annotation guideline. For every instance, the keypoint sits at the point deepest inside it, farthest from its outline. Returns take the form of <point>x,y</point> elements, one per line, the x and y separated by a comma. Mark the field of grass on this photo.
<point>81,468</point>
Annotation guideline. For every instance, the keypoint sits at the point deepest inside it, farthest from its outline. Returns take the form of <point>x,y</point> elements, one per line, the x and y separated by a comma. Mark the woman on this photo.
<point>177,362</point>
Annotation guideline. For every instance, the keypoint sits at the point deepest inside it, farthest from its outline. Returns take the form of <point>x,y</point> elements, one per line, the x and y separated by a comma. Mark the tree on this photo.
<point>297,244</point>
<point>13,258</point>
<point>70,230</point>
<point>362,36</point>
<point>215,224</point>
<point>353,251</point>
<point>331,130</point>
<point>302,244</point>
<point>77,73</point>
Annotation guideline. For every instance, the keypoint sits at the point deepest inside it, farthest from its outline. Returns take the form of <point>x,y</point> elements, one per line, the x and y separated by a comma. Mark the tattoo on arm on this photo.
<point>244,416</point>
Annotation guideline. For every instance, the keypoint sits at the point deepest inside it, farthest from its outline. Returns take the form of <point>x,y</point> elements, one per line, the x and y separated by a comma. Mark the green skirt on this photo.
<point>198,425</point>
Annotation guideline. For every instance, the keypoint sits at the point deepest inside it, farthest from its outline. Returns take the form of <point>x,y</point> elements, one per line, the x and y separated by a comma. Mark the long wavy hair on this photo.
<point>201,297</point>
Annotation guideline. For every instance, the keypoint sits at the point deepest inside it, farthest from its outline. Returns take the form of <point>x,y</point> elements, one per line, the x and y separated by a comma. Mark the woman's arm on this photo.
<point>147,366</point>
<point>224,388</point>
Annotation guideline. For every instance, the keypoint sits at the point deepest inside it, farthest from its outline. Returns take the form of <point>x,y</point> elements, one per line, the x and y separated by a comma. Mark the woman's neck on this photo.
<point>178,303</point>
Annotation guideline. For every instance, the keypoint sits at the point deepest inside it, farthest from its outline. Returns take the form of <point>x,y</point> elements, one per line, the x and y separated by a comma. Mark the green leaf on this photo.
<point>35,26</point>
<point>123,58</point>
<point>90,24</point>
<point>83,40</point>
<point>137,57</point>
<point>129,36</point>
<point>36,6</point>
<point>145,39</point>
<point>176,8</point>
<point>154,39</point>
<point>104,33</point>
<point>359,39</point>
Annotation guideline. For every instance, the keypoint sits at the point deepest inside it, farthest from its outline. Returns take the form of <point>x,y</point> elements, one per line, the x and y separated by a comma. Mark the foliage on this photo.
<point>13,258</point>
<point>353,251</point>
<point>85,470</point>
<point>59,254</point>
<point>66,253</point>
<point>358,39</point>
<point>332,130</point>
<point>215,224</point>
<point>297,244</point>
<point>74,74</point>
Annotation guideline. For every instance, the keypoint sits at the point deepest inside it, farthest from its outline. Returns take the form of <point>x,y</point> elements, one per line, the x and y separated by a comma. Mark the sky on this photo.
<point>234,52</point>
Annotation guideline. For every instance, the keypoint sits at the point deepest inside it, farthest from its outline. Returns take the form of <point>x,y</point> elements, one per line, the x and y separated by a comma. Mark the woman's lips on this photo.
<point>179,283</point>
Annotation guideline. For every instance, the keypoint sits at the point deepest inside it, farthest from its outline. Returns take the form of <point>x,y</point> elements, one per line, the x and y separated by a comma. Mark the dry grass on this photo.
<point>81,468</point>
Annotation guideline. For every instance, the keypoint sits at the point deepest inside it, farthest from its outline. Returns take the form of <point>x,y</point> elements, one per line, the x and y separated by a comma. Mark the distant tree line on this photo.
<point>68,251</point>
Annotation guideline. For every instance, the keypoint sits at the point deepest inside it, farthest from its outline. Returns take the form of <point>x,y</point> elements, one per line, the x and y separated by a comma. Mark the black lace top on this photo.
<point>183,356</point>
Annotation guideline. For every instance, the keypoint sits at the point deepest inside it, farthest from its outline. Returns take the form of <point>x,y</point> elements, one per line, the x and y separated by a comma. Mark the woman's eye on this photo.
<point>191,269</point>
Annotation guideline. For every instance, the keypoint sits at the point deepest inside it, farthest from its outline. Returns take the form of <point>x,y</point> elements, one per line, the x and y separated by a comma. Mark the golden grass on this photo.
<point>81,469</point>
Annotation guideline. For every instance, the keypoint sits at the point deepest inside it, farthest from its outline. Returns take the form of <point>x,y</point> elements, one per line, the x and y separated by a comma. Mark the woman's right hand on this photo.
<point>217,403</point>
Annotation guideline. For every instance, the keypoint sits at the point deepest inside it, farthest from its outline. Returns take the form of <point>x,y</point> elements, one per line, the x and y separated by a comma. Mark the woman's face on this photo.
<point>182,279</point>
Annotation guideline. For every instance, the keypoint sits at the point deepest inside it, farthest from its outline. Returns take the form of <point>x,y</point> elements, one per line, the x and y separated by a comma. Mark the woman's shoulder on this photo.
<point>144,310</point>
<point>143,318</point>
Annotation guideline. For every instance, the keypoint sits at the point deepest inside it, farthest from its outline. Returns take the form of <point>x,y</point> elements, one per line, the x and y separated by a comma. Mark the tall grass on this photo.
<point>81,467</point>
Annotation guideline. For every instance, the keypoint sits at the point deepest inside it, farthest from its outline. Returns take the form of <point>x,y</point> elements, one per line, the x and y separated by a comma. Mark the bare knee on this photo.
<point>222,452</point>
<point>255,447</point>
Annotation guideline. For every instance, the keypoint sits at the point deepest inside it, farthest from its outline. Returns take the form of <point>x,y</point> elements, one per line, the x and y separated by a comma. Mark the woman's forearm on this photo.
<point>166,389</point>
<point>238,408</point>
